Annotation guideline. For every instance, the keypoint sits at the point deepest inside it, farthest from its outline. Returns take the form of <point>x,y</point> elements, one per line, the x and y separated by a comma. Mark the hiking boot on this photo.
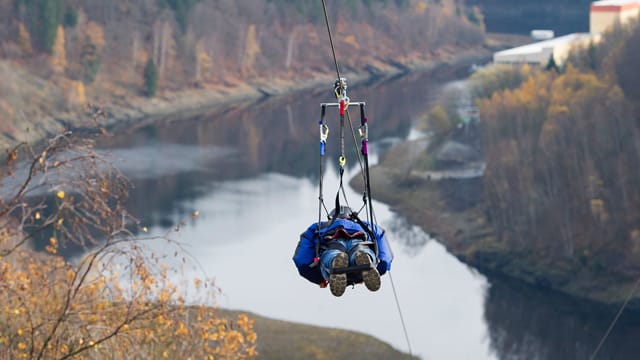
<point>338,282</point>
<point>371,278</point>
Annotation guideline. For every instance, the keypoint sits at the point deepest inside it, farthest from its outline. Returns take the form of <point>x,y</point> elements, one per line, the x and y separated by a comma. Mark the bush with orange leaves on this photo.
<point>117,300</point>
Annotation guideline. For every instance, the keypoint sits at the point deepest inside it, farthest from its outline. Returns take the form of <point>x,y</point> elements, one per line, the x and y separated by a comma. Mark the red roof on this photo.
<point>614,5</point>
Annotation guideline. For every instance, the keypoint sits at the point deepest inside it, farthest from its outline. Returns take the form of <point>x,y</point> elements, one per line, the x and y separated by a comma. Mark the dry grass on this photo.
<point>285,340</point>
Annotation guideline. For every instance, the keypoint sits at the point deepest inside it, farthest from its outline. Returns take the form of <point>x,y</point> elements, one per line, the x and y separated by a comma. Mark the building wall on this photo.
<point>541,57</point>
<point>601,19</point>
<point>561,52</point>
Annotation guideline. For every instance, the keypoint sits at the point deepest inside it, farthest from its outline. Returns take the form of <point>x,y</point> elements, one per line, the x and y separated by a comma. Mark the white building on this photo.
<point>540,52</point>
<point>603,14</point>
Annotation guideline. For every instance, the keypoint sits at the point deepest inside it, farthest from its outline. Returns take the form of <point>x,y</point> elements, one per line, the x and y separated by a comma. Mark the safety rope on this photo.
<point>615,319</point>
<point>404,327</point>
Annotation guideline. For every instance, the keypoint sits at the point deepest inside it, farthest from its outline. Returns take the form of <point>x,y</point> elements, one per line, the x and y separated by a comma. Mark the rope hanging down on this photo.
<point>340,89</point>
<point>615,319</point>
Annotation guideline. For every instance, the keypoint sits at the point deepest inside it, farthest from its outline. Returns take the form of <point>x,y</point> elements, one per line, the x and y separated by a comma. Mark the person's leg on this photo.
<point>365,256</point>
<point>351,244</point>
<point>326,262</point>
<point>331,259</point>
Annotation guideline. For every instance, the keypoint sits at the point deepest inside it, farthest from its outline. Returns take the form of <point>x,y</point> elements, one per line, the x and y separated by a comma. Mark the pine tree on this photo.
<point>552,65</point>
<point>45,16</point>
<point>150,78</point>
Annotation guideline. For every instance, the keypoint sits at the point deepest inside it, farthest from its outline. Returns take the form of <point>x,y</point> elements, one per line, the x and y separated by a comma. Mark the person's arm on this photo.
<point>304,256</point>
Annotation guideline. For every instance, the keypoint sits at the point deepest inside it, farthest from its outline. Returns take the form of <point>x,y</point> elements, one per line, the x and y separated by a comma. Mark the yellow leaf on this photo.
<point>22,346</point>
<point>60,194</point>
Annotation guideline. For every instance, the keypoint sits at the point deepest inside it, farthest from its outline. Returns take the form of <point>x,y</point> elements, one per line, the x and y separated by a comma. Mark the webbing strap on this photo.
<point>323,142</point>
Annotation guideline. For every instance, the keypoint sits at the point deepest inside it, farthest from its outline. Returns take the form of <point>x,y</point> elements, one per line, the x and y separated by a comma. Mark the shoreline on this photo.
<point>428,203</point>
<point>130,112</point>
<point>192,102</point>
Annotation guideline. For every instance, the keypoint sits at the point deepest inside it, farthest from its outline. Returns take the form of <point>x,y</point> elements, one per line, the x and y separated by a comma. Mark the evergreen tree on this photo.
<point>552,65</point>
<point>43,16</point>
<point>90,60</point>
<point>70,17</point>
<point>180,9</point>
<point>150,78</point>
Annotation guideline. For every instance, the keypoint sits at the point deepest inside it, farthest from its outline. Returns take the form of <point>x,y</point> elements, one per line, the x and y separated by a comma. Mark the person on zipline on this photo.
<point>339,252</point>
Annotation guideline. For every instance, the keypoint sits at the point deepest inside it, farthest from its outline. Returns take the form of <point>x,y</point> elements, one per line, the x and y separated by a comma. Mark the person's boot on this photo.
<point>371,278</point>
<point>338,282</point>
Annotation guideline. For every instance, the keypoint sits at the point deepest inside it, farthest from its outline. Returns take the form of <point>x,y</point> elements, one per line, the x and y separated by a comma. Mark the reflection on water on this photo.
<point>410,236</point>
<point>528,323</point>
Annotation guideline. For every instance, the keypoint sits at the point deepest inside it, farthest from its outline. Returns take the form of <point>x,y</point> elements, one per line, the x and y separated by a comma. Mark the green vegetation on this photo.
<point>180,9</point>
<point>495,78</point>
<point>313,11</point>
<point>43,17</point>
<point>150,78</point>
<point>70,17</point>
<point>90,60</point>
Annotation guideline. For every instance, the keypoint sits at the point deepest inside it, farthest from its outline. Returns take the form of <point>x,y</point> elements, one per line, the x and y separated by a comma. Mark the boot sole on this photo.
<point>371,278</point>
<point>338,282</point>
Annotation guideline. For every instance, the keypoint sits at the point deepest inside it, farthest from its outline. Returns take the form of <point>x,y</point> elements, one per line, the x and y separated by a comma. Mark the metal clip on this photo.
<point>324,132</point>
<point>340,88</point>
<point>363,131</point>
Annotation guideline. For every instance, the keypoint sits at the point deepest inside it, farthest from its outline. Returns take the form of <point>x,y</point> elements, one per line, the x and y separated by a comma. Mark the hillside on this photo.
<point>57,56</point>
<point>279,339</point>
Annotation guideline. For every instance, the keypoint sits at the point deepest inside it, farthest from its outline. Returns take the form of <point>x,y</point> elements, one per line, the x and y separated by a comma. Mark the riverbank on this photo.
<point>451,210</point>
<point>120,110</point>
<point>168,106</point>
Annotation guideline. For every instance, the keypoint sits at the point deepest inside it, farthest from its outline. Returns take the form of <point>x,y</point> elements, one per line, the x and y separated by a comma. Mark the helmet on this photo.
<point>344,212</point>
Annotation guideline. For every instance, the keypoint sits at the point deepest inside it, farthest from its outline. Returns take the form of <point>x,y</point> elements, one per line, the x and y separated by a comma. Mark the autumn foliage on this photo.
<point>111,297</point>
<point>562,155</point>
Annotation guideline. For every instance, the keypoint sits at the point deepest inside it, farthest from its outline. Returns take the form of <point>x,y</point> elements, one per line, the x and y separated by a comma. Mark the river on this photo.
<point>252,173</point>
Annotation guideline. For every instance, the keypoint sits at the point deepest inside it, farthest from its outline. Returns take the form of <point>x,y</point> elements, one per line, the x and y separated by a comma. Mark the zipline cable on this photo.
<point>373,220</point>
<point>333,49</point>
<point>615,319</point>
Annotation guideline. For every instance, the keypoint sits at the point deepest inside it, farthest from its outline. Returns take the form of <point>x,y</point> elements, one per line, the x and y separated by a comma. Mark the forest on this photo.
<point>58,55</point>
<point>562,156</point>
